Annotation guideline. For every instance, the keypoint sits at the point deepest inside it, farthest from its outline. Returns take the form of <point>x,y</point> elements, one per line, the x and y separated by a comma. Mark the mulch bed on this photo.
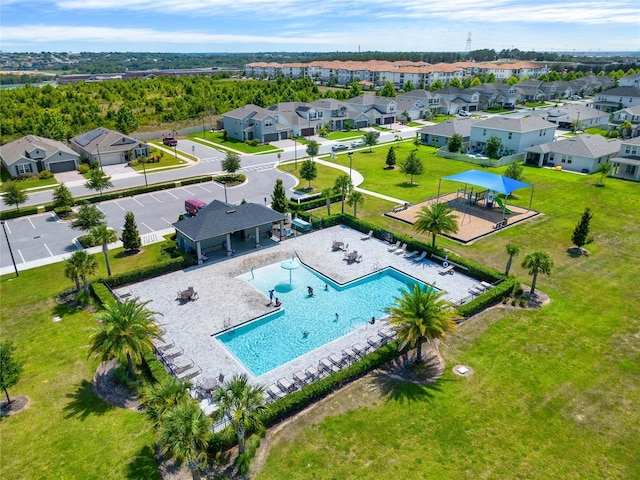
<point>110,390</point>
<point>18,403</point>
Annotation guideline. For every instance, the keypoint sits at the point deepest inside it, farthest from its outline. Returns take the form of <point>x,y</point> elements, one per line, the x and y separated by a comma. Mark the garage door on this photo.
<point>362,124</point>
<point>270,137</point>
<point>305,132</point>
<point>59,167</point>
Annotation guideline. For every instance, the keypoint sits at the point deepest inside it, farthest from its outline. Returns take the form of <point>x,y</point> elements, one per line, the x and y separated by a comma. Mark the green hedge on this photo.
<point>311,204</point>
<point>156,368</point>
<point>24,211</point>
<point>102,292</point>
<point>488,298</point>
<point>149,272</point>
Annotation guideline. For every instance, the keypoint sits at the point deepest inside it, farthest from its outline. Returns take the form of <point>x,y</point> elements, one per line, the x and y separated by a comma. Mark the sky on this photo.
<point>234,26</point>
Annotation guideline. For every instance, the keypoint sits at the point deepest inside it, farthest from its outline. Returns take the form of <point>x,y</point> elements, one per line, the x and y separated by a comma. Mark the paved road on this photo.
<point>44,238</point>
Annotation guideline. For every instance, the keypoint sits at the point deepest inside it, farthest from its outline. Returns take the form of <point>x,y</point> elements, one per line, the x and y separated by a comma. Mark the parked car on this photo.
<point>575,97</point>
<point>357,143</point>
<point>464,113</point>
<point>172,142</point>
<point>339,146</point>
<point>193,206</point>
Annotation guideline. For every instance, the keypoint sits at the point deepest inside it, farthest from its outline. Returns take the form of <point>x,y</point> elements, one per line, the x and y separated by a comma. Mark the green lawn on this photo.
<point>166,160</point>
<point>231,143</point>
<point>350,135</point>
<point>555,392</point>
<point>67,432</point>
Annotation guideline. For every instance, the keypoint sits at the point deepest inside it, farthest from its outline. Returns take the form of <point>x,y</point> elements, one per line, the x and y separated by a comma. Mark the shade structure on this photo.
<point>290,265</point>
<point>488,180</point>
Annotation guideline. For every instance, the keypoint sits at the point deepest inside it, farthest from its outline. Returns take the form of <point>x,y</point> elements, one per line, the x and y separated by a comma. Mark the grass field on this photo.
<point>555,392</point>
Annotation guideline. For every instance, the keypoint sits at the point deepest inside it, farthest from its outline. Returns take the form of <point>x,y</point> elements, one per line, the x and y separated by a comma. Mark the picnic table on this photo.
<point>188,294</point>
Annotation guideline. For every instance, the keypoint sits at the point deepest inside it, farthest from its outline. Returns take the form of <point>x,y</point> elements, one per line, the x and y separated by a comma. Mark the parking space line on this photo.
<point>98,207</point>
<point>139,203</point>
<point>34,227</point>
<point>147,226</point>
<point>188,191</point>
<point>45,246</point>
<point>154,197</point>
<point>167,191</point>
<point>165,220</point>
<point>123,209</point>
<point>200,186</point>
<point>6,224</point>
<point>21,256</point>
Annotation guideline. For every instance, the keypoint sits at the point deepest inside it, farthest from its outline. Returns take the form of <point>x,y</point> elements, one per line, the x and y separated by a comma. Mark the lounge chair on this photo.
<point>402,249</point>
<point>189,373</point>
<point>475,290</point>
<point>349,355</point>
<point>336,360</point>
<point>275,392</point>
<point>411,255</point>
<point>360,350</point>
<point>311,373</point>
<point>420,257</point>
<point>285,385</point>
<point>325,365</point>
<point>358,258</point>
<point>447,270</point>
<point>486,285</point>
<point>300,378</point>
<point>395,247</point>
<point>374,342</point>
<point>368,235</point>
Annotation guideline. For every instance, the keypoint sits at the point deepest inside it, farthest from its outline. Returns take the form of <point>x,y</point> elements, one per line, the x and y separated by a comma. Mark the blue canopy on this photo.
<point>488,180</point>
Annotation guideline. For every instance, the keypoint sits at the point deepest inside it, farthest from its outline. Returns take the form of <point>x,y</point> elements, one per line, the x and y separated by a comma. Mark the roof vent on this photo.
<point>231,211</point>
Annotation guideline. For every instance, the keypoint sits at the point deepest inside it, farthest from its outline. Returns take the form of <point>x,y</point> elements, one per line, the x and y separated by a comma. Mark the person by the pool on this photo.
<point>278,303</point>
<point>310,290</point>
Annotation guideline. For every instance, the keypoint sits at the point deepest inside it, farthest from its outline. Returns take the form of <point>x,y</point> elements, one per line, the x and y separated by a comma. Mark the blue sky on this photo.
<point>320,26</point>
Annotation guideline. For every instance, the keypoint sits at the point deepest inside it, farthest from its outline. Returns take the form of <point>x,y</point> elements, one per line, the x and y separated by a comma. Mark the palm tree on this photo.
<point>242,403</point>
<point>537,262</point>
<point>355,198</point>
<point>160,398</point>
<point>343,185</point>
<point>420,314</point>
<point>103,235</point>
<point>326,193</point>
<point>512,251</point>
<point>436,220</point>
<point>71,270</point>
<point>185,433</point>
<point>81,265</point>
<point>127,331</point>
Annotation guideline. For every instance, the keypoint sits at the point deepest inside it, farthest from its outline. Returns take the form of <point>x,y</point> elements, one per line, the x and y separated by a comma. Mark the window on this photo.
<point>268,123</point>
<point>24,168</point>
<point>484,132</point>
<point>630,170</point>
<point>510,135</point>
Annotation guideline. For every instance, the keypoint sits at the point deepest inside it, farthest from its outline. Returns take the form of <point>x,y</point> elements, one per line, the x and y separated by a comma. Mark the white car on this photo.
<point>357,143</point>
<point>464,113</point>
<point>575,97</point>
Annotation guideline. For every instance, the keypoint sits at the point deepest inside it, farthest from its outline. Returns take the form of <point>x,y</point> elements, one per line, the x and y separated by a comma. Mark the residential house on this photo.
<point>630,81</point>
<point>438,134</point>
<point>617,98</point>
<point>31,155</point>
<point>297,119</point>
<point>108,147</point>
<point>568,115</point>
<point>497,95</point>
<point>253,122</point>
<point>336,113</point>
<point>381,110</point>
<point>456,99</point>
<point>516,134</point>
<point>631,114</point>
<point>627,163</point>
<point>531,90</point>
<point>430,100</point>
<point>582,153</point>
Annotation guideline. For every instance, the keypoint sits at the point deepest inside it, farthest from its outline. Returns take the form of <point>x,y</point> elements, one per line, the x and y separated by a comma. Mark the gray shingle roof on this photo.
<point>105,139</point>
<point>16,150</point>
<point>451,127</point>
<point>587,146</point>
<point>508,124</point>
<point>219,218</point>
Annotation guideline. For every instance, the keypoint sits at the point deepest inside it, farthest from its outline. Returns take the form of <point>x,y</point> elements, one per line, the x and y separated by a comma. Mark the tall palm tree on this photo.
<point>185,433</point>
<point>537,262</point>
<point>72,271</point>
<point>436,219</point>
<point>355,198</point>
<point>344,186</point>
<point>81,265</point>
<point>326,194</point>
<point>420,314</point>
<point>512,251</point>
<point>126,332</point>
<point>242,403</point>
<point>103,235</point>
<point>160,398</point>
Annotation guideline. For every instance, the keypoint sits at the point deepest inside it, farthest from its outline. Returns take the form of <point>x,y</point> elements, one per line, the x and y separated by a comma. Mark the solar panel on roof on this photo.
<point>86,138</point>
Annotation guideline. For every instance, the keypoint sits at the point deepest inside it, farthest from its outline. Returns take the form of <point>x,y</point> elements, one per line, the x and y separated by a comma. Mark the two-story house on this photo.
<point>570,115</point>
<point>31,155</point>
<point>438,134</point>
<point>252,122</point>
<point>458,99</point>
<point>516,134</point>
<point>381,110</point>
<point>108,147</point>
<point>627,163</point>
<point>582,153</point>
<point>632,115</point>
<point>617,98</point>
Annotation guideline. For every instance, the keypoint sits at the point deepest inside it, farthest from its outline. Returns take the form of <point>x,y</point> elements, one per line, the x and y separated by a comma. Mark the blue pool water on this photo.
<point>276,339</point>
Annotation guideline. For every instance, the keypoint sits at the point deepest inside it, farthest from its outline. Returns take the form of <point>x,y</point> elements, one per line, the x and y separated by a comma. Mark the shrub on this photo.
<point>83,168</point>
<point>102,293</point>
<point>133,163</point>
<point>7,214</point>
<point>63,212</point>
<point>488,298</point>
<point>149,272</point>
<point>45,175</point>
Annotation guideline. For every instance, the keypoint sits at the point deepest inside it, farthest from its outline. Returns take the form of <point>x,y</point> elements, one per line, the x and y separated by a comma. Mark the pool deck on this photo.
<point>225,301</point>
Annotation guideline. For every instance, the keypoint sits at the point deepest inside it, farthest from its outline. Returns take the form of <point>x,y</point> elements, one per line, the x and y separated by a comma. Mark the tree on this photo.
<point>242,404</point>
<point>512,251</point>
<point>625,129</point>
<point>312,148</point>
<point>14,195</point>
<point>87,217</point>
<point>309,171</point>
<point>185,434</point>
<point>370,139</point>
<point>103,235</point>
<point>231,163</point>
<point>161,397</point>
<point>412,166</point>
<point>82,265</point>
<point>343,185</point>
<point>603,169</point>
<point>326,194</point>
<point>279,197</point>
<point>421,314</point>
<point>388,90</point>
<point>405,116</point>
<point>62,196</point>
<point>10,368</point>
<point>126,121</point>
<point>49,124</point>
<point>98,180</point>
<point>408,86</point>
<point>355,199</point>
<point>580,235</point>
<point>436,219</point>
<point>537,262</point>
<point>454,145</point>
<point>126,332</point>
<point>355,89</point>
<point>72,270</point>
<point>514,171</point>
<point>391,158</point>
<point>493,146</point>
<point>130,236</point>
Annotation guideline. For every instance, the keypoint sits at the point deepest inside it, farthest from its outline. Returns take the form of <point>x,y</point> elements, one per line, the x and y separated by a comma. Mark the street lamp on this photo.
<point>175,150</point>
<point>99,161</point>
<point>224,183</point>
<point>9,245</point>
<point>295,152</point>
<point>144,169</point>
<point>350,163</point>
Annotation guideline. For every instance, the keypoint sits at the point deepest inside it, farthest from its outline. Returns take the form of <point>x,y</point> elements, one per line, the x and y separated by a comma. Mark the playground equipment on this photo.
<point>502,206</point>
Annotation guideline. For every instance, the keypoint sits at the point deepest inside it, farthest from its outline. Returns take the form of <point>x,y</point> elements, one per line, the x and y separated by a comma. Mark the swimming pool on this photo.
<point>276,339</point>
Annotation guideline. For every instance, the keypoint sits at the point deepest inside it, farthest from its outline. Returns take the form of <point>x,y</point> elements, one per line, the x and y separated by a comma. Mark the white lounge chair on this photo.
<point>402,249</point>
<point>395,247</point>
<point>285,384</point>
<point>486,285</point>
<point>368,235</point>
<point>420,257</point>
<point>411,255</point>
<point>311,373</point>
<point>447,270</point>
<point>275,392</point>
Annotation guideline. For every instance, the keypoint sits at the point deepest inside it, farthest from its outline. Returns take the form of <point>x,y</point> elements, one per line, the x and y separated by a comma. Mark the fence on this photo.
<point>483,161</point>
<point>182,131</point>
